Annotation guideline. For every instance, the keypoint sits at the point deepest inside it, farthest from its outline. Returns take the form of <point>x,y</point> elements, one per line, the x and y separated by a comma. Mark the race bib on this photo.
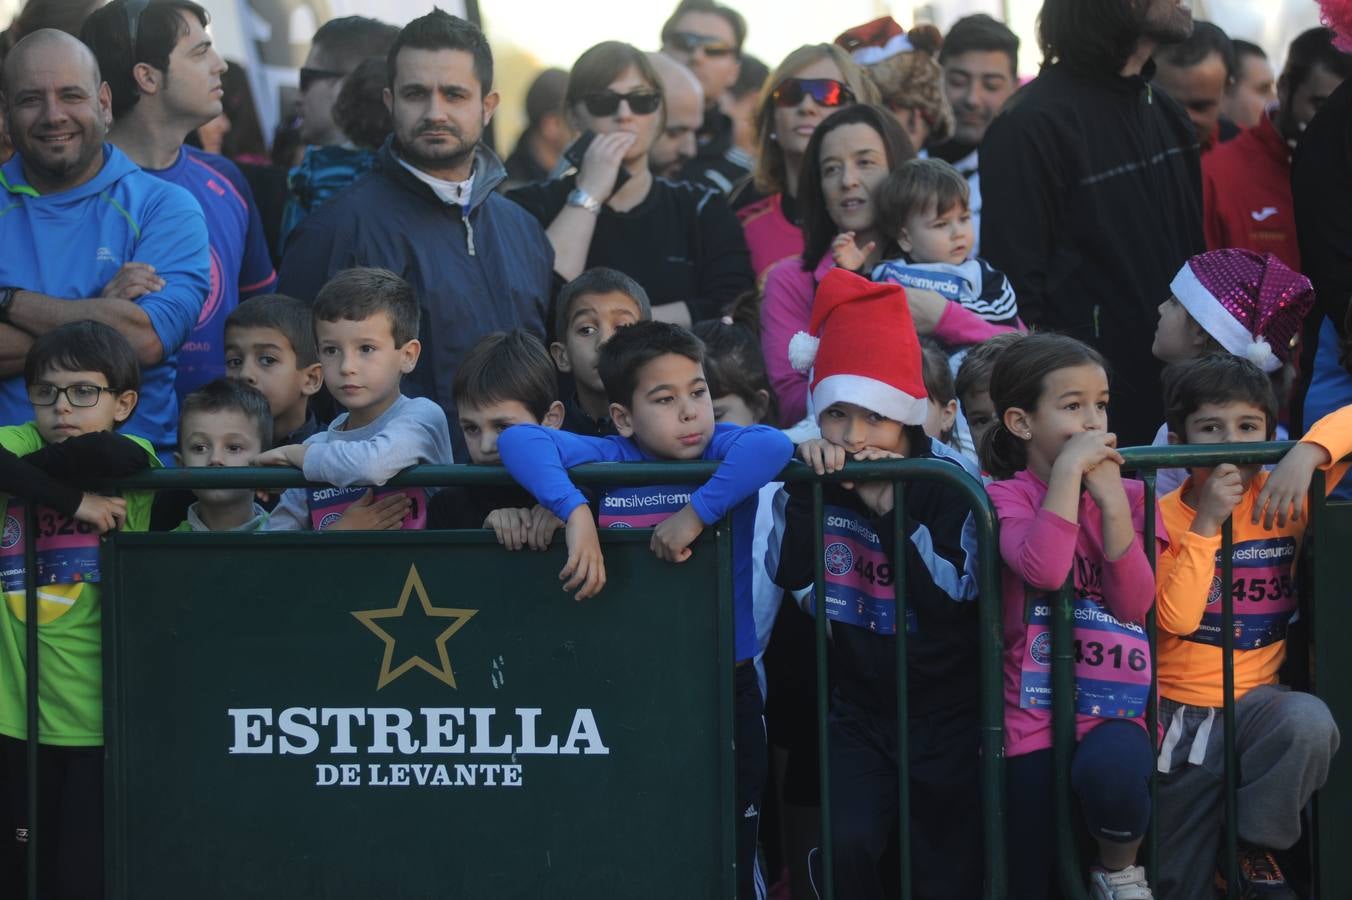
<point>1264,592</point>
<point>641,507</point>
<point>860,581</point>
<point>327,505</point>
<point>67,549</point>
<point>1112,662</point>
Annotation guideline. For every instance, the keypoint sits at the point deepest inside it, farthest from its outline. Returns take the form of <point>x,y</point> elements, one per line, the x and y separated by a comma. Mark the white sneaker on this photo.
<point>1127,884</point>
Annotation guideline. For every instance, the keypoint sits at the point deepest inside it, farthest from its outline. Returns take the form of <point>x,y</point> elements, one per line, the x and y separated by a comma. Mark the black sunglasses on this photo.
<point>309,77</point>
<point>689,42</point>
<point>606,103</point>
<point>824,91</point>
<point>133,9</point>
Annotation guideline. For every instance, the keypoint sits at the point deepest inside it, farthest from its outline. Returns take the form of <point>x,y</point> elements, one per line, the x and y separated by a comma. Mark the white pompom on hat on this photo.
<point>862,349</point>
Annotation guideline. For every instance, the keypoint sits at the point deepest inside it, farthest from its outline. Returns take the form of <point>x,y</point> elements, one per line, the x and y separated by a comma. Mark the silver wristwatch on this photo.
<point>579,197</point>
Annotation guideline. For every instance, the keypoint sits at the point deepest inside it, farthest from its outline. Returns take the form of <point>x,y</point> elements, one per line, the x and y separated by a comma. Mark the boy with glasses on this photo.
<point>83,381</point>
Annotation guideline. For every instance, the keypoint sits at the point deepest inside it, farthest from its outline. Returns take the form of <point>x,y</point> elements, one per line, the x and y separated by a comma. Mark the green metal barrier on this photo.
<point>156,849</point>
<point>1332,530</point>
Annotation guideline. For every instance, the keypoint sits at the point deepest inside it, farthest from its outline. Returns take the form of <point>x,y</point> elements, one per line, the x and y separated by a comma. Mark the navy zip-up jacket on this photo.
<point>476,269</point>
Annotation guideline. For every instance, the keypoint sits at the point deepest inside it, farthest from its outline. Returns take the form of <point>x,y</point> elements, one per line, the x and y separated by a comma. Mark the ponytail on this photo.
<point>1001,453</point>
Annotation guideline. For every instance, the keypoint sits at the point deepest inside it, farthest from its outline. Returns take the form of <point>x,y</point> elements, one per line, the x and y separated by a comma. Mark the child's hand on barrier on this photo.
<point>585,570</point>
<point>290,455</point>
<point>540,531</point>
<point>1086,450</point>
<point>1103,481</point>
<point>673,536</point>
<point>822,455</point>
<point>105,514</point>
<point>1283,497</point>
<point>510,527</point>
<point>877,495</point>
<point>849,255</point>
<point>370,514</point>
<point>1217,499</point>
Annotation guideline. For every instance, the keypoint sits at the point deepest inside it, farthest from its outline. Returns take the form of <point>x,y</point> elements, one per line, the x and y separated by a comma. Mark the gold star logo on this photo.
<point>458,619</point>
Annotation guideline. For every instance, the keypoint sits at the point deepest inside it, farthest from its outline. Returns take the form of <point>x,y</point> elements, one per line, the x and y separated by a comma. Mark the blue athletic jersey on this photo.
<point>240,264</point>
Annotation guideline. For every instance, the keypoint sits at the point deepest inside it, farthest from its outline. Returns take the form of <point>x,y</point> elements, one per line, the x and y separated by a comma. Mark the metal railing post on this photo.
<point>826,846</point>
<point>1062,615</point>
<point>30,583</point>
<point>1231,849</point>
<point>902,683</point>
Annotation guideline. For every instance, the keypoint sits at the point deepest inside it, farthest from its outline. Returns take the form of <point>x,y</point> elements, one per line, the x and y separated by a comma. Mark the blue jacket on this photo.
<point>478,269</point>
<point>70,244</point>
<point>539,458</point>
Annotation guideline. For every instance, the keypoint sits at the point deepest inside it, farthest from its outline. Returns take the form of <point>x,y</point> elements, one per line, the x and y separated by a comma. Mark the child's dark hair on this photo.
<point>633,347</point>
<point>912,186</point>
<point>281,313</point>
<point>974,375</point>
<point>1017,381</point>
<point>86,346</point>
<point>734,364</point>
<point>1216,378</point>
<point>505,366</point>
<point>938,378</point>
<point>598,280</point>
<point>230,395</point>
<point>357,294</point>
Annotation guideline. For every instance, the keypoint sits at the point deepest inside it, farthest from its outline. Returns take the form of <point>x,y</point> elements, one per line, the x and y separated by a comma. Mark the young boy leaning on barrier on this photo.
<point>660,403</point>
<point>868,388</point>
<point>82,380</point>
<point>506,379</point>
<point>366,326</point>
<point>1284,738</point>
<point>225,422</point>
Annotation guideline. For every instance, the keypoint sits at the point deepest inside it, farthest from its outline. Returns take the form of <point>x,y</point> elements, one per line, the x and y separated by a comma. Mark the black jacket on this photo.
<point>490,270</point>
<point>1092,201</point>
<point>682,243</point>
<point>942,658</point>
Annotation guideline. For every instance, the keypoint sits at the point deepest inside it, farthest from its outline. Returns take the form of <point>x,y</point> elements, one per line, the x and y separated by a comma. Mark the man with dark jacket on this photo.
<point>478,262</point>
<point>1092,191</point>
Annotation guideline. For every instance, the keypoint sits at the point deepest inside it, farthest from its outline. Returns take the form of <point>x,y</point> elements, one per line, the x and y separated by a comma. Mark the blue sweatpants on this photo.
<point>1110,775</point>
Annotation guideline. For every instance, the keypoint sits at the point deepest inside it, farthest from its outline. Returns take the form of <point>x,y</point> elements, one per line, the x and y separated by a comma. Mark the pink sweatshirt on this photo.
<point>786,309</point>
<point>769,235</point>
<point>1039,549</point>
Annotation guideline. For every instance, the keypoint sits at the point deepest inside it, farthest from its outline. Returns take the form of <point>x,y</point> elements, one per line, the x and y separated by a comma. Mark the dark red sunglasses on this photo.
<point>823,91</point>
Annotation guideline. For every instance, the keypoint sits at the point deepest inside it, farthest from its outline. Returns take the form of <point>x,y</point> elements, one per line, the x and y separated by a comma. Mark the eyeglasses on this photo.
<point>133,9</point>
<point>607,103</point>
<point>83,395</point>
<point>689,42</point>
<point>824,91</point>
<point>308,77</point>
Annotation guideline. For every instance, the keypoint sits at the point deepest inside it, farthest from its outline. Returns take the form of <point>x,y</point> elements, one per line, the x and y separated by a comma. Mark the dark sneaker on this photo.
<point>1260,878</point>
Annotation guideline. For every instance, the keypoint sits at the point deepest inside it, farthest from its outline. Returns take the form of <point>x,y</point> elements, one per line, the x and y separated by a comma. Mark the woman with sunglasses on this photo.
<point>811,83</point>
<point>678,240</point>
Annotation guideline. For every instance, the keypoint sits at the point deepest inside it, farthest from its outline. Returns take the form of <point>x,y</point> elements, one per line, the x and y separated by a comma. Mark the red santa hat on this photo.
<point>862,349</point>
<point>1252,305</point>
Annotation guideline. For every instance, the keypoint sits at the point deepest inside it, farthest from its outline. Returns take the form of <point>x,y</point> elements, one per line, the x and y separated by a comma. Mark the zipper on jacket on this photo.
<point>469,229</point>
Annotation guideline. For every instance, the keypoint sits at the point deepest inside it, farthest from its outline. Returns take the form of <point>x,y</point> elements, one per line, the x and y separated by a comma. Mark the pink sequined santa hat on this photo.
<point>1337,15</point>
<point>1252,305</point>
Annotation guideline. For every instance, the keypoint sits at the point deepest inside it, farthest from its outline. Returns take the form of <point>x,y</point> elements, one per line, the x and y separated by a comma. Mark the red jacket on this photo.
<point>1246,194</point>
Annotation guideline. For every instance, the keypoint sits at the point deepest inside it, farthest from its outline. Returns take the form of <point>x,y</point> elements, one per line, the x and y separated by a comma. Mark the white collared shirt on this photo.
<point>452,193</point>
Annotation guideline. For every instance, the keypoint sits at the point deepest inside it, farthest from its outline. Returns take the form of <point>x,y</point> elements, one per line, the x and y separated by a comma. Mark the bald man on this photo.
<point>684,98</point>
<point>88,235</point>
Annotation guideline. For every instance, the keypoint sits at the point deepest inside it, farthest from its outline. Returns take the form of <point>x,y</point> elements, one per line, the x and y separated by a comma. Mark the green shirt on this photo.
<point>70,636</point>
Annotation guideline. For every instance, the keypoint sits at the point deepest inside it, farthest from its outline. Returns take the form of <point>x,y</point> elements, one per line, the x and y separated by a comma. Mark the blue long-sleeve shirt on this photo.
<point>539,459</point>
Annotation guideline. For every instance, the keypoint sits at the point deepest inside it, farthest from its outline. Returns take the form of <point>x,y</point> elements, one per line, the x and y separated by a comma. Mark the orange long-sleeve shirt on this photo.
<point>1188,595</point>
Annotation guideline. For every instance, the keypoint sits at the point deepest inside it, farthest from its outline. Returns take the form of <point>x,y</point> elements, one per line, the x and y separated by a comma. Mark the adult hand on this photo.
<point>601,163</point>
<point>585,570</point>
<point>673,536</point>
<point>370,514</point>
<point>104,514</point>
<point>133,280</point>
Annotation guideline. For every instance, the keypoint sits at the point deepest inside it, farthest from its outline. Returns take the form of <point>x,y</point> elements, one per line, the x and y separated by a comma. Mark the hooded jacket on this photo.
<point>71,243</point>
<point>475,269</point>
<point>1092,199</point>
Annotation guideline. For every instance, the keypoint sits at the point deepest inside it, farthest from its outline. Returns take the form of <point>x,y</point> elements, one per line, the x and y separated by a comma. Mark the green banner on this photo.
<point>414,715</point>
